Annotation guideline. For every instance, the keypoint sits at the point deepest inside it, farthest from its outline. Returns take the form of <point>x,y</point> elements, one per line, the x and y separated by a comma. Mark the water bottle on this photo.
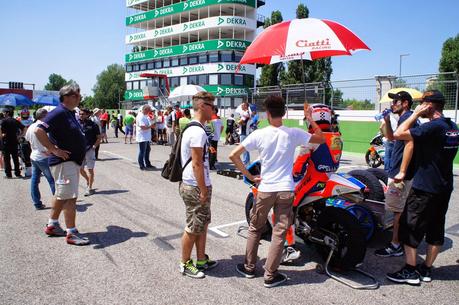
<point>383,114</point>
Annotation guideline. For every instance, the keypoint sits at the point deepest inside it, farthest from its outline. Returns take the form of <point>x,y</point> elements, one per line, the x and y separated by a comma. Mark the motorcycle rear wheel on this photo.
<point>351,245</point>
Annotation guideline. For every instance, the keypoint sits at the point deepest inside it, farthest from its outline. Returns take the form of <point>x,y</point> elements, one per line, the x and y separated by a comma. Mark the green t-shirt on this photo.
<point>129,119</point>
<point>183,122</point>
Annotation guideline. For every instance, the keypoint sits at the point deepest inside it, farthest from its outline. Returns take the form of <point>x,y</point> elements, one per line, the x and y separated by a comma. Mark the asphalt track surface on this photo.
<point>135,221</point>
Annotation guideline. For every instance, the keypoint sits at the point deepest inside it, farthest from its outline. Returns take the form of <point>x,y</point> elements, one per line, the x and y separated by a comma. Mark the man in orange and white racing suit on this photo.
<point>324,157</point>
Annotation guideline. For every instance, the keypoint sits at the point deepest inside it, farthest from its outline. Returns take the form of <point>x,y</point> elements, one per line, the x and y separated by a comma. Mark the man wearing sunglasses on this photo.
<point>397,193</point>
<point>61,134</point>
<point>196,188</point>
<point>93,138</point>
<point>435,147</point>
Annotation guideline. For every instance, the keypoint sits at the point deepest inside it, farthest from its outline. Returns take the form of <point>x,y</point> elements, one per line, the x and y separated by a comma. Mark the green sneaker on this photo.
<point>189,269</point>
<point>206,264</point>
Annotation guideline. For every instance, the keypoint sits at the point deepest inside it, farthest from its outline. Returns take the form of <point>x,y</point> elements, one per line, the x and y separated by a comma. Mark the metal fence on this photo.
<point>364,92</point>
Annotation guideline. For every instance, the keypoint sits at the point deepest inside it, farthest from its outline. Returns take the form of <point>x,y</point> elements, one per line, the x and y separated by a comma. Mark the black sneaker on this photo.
<point>405,276</point>
<point>389,251</point>
<point>240,268</point>
<point>278,279</point>
<point>207,264</point>
<point>424,272</point>
<point>189,269</point>
<point>40,207</point>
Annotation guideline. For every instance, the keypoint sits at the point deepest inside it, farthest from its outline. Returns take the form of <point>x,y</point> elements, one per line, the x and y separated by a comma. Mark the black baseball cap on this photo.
<point>401,96</point>
<point>433,96</point>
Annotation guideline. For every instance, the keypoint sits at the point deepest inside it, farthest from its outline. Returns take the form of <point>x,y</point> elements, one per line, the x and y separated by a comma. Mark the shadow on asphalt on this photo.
<point>109,159</point>
<point>111,192</point>
<point>113,236</point>
<point>83,207</point>
<point>225,165</point>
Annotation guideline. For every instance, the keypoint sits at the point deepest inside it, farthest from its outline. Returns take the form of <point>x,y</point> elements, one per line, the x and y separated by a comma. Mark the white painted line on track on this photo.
<point>217,230</point>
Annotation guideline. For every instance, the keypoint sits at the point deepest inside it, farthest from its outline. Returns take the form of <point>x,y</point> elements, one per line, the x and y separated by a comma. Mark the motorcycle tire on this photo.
<point>374,190</point>
<point>373,162</point>
<point>351,245</point>
<point>249,203</point>
<point>365,218</point>
<point>380,174</point>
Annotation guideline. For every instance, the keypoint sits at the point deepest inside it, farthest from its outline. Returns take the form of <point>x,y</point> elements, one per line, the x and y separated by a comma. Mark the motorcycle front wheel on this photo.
<point>373,160</point>
<point>351,245</point>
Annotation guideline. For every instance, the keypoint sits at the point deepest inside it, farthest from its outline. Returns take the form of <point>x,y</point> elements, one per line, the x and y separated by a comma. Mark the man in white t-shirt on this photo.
<point>39,158</point>
<point>195,188</point>
<point>276,146</point>
<point>143,137</point>
<point>244,127</point>
<point>217,127</point>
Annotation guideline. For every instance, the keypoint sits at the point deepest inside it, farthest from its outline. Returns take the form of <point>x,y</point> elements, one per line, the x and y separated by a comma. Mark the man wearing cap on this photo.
<point>61,134</point>
<point>435,146</point>
<point>397,193</point>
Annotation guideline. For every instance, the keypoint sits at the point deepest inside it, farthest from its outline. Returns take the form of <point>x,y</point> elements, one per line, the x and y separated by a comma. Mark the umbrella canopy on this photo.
<point>47,100</point>
<point>415,94</point>
<point>14,100</point>
<point>184,92</point>
<point>308,38</point>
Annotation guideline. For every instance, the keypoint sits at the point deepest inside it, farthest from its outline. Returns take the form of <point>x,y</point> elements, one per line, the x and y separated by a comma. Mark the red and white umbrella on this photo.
<point>308,38</point>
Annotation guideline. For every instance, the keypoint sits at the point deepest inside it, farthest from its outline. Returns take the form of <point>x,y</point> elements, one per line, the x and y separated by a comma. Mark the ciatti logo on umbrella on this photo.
<point>314,45</point>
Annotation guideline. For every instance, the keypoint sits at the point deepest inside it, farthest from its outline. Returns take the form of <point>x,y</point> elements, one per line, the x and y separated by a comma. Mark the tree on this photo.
<point>110,87</point>
<point>449,61</point>
<point>315,71</point>
<point>270,73</point>
<point>55,82</point>
<point>88,102</point>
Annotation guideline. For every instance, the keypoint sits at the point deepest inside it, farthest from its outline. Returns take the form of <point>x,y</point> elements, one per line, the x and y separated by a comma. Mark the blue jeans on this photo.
<point>388,147</point>
<point>144,154</point>
<point>39,167</point>
<point>245,155</point>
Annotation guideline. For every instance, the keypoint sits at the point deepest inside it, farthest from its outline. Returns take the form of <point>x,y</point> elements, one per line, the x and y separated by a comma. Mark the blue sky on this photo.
<point>79,38</point>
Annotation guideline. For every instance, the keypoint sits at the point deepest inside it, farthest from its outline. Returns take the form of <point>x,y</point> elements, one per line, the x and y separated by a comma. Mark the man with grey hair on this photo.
<point>39,158</point>
<point>143,137</point>
<point>61,134</point>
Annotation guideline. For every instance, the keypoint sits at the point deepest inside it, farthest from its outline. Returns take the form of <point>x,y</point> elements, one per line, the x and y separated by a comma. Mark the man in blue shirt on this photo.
<point>397,193</point>
<point>435,146</point>
<point>63,137</point>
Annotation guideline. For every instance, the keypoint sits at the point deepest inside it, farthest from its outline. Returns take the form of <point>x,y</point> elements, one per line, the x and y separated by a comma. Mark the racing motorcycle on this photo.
<point>329,211</point>
<point>375,153</point>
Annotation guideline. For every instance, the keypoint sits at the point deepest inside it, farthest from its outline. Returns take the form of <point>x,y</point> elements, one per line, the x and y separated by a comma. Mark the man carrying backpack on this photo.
<point>195,188</point>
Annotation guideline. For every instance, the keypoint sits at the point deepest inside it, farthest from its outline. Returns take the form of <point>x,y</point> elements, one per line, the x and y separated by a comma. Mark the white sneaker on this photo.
<point>290,254</point>
<point>88,191</point>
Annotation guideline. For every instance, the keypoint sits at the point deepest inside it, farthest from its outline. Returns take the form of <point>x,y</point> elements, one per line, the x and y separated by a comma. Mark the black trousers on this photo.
<point>213,156</point>
<point>8,153</point>
<point>120,128</point>
<point>26,150</point>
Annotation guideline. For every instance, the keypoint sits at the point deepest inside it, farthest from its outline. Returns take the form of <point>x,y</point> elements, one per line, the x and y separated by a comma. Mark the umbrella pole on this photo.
<point>303,76</point>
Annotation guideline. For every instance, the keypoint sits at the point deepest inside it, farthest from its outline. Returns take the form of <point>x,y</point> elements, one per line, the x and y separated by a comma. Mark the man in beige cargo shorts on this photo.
<point>62,135</point>
<point>195,188</point>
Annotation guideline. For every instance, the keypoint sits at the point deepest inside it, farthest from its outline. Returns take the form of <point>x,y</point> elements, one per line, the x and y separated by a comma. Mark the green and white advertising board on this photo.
<point>183,6</point>
<point>195,69</point>
<point>212,22</point>
<point>219,91</point>
<point>189,48</point>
